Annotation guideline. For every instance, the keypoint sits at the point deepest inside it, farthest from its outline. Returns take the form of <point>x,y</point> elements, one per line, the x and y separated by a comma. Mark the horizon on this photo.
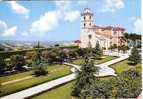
<point>60,20</point>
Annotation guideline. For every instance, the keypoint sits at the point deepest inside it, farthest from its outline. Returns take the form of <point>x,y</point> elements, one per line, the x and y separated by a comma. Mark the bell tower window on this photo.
<point>90,17</point>
<point>89,24</point>
<point>84,17</point>
<point>84,24</point>
<point>89,36</point>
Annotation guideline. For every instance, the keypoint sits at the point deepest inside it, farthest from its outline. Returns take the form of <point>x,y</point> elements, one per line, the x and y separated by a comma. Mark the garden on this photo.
<point>47,65</point>
<point>127,84</point>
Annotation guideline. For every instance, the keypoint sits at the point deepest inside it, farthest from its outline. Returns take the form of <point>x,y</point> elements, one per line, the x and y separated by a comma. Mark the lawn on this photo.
<point>55,71</point>
<point>15,76</point>
<point>123,66</point>
<point>64,91</point>
<point>61,92</point>
<point>102,60</point>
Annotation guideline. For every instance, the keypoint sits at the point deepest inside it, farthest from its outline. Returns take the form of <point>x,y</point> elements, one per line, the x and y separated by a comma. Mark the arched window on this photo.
<point>84,17</point>
<point>90,17</point>
<point>89,24</point>
<point>89,36</point>
<point>84,24</point>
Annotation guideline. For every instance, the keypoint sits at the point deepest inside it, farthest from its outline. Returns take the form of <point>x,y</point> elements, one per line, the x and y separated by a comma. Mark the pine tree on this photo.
<point>135,57</point>
<point>39,63</point>
<point>85,79</point>
<point>97,51</point>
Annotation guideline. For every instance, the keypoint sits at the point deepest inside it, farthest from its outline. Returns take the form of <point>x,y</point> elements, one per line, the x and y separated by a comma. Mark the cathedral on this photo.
<point>91,33</point>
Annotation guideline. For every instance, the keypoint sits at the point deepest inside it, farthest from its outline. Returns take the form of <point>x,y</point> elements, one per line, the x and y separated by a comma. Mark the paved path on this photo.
<point>48,85</point>
<point>40,88</point>
<point>104,69</point>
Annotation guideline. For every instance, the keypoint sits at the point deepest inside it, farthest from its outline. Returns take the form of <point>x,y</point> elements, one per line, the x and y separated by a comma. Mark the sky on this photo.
<point>60,20</point>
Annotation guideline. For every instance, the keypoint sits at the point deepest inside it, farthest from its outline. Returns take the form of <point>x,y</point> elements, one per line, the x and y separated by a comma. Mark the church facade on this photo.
<point>91,33</point>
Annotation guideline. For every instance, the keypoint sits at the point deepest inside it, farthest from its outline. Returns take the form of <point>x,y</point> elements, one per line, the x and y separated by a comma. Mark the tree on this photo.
<point>2,65</point>
<point>72,54</point>
<point>123,48</point>
<point>29,56</point>
<point>135,57</point>
<point>97,51</point>
<point>45,55</point>
<point>126,35</point>
<point>103,89</point>
<point>53,55</point>
<point>129,84</point>
<point>1,49</point>
<point>80,52</point>
<point>39,64</point>
<point>133,37</point>
<point>38,46</point>
<point>62,56</point>
<point>85,79</point>
<point>112,47</point>
<point>17,61</point>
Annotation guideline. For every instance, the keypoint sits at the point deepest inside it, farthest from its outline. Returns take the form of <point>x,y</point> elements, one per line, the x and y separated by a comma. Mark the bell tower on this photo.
<point>86,18</point>
<point>86,23</point>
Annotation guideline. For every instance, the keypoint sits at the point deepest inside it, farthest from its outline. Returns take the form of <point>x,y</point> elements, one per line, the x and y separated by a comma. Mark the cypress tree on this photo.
<point>135,57</point>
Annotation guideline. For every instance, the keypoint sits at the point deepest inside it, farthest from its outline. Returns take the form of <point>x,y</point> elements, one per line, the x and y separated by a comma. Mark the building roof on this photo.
<point>77,41</point>
<point>87,11</point>
<point>108,28</point>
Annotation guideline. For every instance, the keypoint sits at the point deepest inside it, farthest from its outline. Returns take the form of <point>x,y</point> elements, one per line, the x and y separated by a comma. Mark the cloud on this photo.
<point>83,2</point>
<point>72,16</point>
<point>46,22</point>
<point>19,9</point>
<point>5,31</point>
<point>51,19</point>
<point>137,26</point>
<point>133,18</point>
<point>3,26</point>
<point>11,31</point>
<point>112,5</point>
<point>64,4</point>
<point>25,34</point>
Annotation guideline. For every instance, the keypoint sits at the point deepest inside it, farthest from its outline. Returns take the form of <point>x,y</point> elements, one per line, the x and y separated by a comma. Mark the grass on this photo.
<point>105,59</point>
<point>61,92</point>
<point>15,76</point>
<point>55,71</point>
<point>102,60</point>
<point>123,66</point>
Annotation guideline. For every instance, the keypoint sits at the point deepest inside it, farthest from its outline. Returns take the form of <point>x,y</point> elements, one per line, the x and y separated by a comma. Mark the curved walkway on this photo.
<point>105,71</point>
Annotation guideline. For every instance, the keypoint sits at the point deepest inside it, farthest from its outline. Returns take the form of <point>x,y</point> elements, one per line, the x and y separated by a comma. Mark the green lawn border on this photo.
<point>50,89</point>
<point>2,95</point>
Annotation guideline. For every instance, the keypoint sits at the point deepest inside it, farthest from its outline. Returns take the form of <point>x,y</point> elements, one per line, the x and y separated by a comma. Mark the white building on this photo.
<point>91,33</point>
